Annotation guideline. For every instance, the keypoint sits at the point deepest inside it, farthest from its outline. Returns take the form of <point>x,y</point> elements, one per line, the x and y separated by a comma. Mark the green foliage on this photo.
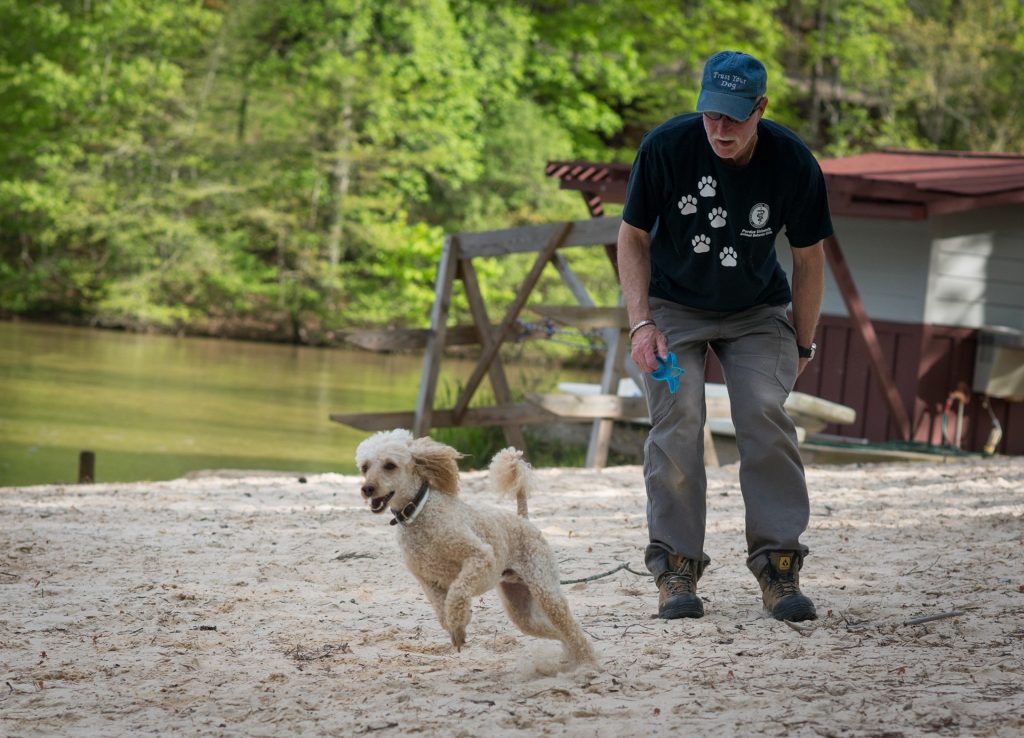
<point>293,165</point>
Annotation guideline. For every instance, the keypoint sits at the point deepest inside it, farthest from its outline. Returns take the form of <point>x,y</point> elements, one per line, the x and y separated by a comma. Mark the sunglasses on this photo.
<point>719,116</point>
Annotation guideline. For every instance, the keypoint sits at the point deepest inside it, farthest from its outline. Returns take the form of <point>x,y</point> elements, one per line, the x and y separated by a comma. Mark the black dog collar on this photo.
<point>408,513</point>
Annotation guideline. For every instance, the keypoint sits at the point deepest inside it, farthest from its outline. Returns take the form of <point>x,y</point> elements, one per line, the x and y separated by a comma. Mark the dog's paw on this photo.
<point>458,637</point>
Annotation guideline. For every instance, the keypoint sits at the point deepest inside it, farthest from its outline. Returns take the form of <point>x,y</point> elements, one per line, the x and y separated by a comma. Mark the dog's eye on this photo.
<point>390,466</point>
<point>364,468</point>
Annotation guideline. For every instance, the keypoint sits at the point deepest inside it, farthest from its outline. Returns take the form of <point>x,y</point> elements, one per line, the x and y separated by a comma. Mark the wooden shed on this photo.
<point>923,315</point>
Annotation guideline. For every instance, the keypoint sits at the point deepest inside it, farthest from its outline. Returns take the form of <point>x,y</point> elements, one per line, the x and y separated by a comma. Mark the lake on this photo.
<point>155,407</point>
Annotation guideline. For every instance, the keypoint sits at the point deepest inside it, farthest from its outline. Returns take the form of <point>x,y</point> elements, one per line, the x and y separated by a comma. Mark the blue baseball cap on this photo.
<point>732,83</point>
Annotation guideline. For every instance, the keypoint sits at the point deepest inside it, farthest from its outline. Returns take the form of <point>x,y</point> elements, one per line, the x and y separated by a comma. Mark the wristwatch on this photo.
<point>807,352</point>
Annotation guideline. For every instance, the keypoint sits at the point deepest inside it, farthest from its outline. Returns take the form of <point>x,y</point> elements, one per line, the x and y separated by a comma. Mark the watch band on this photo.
<point>806,352</point>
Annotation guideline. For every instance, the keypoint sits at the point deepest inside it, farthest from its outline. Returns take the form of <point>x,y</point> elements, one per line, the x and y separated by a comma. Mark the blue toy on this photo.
<point>669,371</point>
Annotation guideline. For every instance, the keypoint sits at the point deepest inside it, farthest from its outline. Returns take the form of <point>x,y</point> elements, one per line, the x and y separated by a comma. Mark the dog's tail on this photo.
<point>511,475</point>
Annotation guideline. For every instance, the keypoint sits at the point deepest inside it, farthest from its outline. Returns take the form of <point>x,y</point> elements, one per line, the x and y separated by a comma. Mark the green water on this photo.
<point>156,407</point>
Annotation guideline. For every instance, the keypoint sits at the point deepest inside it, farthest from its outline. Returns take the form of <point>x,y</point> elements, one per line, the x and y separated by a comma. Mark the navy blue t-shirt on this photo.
<point>713,225</point>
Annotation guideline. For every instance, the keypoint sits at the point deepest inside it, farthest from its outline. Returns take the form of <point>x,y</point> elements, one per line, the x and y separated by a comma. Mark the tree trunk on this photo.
<point>340,180</point>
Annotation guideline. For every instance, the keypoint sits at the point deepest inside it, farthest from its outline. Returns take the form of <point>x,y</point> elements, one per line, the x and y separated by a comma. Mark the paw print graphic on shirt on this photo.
<point>701,244</point>
<point>717,217</point>
<point>728,256</point>
<point>707,186</point>
<point>687,205</point>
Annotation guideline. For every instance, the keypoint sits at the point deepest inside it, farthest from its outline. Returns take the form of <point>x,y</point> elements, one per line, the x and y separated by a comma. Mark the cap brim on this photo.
<point>734,106</point>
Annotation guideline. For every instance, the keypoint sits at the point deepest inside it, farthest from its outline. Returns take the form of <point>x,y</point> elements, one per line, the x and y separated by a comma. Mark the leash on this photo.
<point>408,513</point>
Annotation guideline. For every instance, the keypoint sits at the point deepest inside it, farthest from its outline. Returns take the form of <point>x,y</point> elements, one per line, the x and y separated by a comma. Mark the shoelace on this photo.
<point>680,582</point>
<point>785,585</point>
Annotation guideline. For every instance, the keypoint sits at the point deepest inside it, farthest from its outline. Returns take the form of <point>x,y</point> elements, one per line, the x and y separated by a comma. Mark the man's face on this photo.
<point>734,140</point>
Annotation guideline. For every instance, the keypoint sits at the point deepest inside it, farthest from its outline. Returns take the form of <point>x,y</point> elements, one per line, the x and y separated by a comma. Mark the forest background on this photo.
<point>287,169</point>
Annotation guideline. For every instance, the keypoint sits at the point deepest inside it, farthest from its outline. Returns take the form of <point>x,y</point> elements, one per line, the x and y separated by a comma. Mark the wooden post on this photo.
<point>435,342</point>
<point>710,454</point>
<point>86,467</point>
<point>601,430</point>
<point>499,382</point>
<point>855,306</point>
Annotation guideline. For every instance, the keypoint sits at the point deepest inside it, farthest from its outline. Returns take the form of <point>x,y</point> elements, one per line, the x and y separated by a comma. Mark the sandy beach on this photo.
<point>269,605</point>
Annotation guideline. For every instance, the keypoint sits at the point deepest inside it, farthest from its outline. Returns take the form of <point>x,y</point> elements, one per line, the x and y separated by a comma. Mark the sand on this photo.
<point>268,606</point>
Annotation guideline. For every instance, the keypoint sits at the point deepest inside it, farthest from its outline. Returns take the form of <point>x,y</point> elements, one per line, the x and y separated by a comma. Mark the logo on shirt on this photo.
<point>759,215</point>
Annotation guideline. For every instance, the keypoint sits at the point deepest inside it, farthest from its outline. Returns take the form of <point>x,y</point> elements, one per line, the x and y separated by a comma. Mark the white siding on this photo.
<point>976,269</point>
<point>889,263</point>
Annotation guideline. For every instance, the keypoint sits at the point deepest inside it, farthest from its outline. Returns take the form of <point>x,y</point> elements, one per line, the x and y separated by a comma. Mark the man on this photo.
<point>708,194</point>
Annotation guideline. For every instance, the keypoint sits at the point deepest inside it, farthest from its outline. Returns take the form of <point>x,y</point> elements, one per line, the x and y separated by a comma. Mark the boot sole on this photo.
<point>795,609</point>
<point>682,610</point>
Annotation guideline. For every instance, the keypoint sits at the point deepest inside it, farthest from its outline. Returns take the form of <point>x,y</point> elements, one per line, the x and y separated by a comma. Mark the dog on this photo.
<point>458,551</point>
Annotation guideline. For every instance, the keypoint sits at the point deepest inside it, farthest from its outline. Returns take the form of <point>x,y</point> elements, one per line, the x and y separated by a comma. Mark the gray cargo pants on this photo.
<point>757,351</point>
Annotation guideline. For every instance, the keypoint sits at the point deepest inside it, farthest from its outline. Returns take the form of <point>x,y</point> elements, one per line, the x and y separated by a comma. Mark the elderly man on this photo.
<point>708,194</point>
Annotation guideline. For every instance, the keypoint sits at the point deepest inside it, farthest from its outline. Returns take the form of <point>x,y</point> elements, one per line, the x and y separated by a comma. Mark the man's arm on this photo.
<point>808,288</point>
<point>634,257</point>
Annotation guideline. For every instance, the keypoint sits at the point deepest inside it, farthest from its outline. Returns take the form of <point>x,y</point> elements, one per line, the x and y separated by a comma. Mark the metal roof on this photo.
<point>887,184</point>
<point>940,171</point>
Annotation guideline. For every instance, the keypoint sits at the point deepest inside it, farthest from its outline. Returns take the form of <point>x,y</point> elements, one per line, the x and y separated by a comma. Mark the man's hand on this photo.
<point>647,345</point>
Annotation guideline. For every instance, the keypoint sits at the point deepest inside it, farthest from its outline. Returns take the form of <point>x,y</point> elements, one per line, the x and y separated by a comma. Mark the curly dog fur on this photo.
<point>458,551</point>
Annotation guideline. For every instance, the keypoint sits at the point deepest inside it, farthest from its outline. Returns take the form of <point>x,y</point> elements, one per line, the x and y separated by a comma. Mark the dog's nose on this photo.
<point>368,490</point>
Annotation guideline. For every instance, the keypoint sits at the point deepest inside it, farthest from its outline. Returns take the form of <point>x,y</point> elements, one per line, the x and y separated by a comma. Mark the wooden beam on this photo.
<point>584,317</point>
<point>520,414</point>
<point>571,280</point>
<point>610,190</point>
<point>527,239</point>
<point>555,240</point>
<point>854,208</point>
<point>855,306</point>
<point>594,203</point>
<point>499,382</point>
<point>402,339</point>
<point>588,407</point>
<point>601,431</point>
<point>959,204</point>
<point>875,189</point>
<point>435,343</point>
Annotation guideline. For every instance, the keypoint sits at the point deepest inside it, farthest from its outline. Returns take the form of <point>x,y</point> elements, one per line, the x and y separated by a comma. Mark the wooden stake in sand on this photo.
<point>86,467</point>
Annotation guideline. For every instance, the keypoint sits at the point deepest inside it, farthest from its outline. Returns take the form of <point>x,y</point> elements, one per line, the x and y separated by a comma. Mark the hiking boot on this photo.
<point>780,588</point>
<point>677,589</point>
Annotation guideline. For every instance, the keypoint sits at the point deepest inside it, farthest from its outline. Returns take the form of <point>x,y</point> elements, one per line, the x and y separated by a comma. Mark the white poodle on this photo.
<point>458,551</point>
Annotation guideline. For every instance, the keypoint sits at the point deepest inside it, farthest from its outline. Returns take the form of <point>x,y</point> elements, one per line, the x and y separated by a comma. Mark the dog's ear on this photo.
<point>437,463</point>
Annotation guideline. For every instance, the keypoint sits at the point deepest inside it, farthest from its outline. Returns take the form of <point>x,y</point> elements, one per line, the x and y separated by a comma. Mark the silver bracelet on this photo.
<point>638,326</point>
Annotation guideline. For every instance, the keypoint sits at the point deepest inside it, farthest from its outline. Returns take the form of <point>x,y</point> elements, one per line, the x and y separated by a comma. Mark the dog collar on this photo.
<point>408,513</point>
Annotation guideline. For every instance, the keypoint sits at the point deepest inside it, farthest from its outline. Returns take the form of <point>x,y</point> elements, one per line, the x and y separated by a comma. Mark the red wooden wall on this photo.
<point>926,362</point>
